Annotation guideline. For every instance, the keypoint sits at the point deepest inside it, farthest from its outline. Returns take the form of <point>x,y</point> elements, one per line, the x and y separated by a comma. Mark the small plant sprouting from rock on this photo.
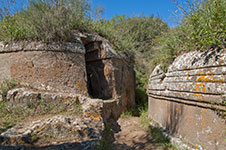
<point>10,115</point>
<point>105,143</point>
<point>7,85</point>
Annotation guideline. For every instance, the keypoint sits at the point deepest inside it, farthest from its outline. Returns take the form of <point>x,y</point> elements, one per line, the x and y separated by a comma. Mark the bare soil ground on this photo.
<point>133,136</point>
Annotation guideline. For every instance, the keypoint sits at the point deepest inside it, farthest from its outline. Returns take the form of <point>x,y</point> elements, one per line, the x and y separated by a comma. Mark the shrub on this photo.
<point>56,20</point>
<point>204,27</point>
<point>46,20</point>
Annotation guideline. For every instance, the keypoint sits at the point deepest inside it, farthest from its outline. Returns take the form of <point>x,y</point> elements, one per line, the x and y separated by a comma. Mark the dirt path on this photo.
<point>132,136</point>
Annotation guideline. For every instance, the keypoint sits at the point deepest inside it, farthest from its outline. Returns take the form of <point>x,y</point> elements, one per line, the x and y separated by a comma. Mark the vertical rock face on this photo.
<point>88,71</point>
<point>189,99</point>
<point>55,67</point>
<point>89,67</point>
<point>110,76</point>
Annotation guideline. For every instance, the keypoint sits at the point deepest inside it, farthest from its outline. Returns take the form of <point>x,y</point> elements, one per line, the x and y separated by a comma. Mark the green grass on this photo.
<point>7,85</point>
<point>56,20</point>
<point>160,139</point>
<point>202,28</point>
<point>105,143</point>
<point>11,114</point>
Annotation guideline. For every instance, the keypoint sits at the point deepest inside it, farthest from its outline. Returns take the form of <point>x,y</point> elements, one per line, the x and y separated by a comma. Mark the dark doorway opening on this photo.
<point>98,85</point>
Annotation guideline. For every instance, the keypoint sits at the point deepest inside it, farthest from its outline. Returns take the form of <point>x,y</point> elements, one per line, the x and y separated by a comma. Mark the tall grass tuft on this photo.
<point>46,20</point>
<point>202,27</point>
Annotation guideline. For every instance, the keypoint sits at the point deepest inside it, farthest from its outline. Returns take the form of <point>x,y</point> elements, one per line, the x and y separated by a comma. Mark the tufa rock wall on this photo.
<point>88,72</point>
<point>55,67</point>
<point>188,101</point>
<point>89,67</point>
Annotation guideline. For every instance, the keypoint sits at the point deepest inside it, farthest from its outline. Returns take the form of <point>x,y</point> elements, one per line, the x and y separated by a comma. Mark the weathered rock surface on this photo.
<point>88,67</point>
<point>189,99</point>
<point>83,130</point>
<point>88,71</point>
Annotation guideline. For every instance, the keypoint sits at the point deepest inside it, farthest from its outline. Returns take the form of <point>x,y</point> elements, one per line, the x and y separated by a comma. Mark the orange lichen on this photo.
<point>211,74</point>
<point>203,124</point>
<point>84,131</point>
<point>21,141</point>
<point>86,90</point>
<point>96,116</point>
<point>66,98</point>
<point>77,85</point>
<point>179,93</point>
<point>197,95</point>
<point>203,115</point>
<point>91,106</point>
<point>188,75</point>
<point>204,89</point>
<point>200,72</point>
<point>90,115</point>
<point>221,61</point>
<point>203,79</point>
<point>12,140</point>
<point>218,80</point>
<point>199,87</point>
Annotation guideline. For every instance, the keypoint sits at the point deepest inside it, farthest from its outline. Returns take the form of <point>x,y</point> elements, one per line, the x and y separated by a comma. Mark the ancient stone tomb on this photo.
<point>87,70</point>
<point>188,100</point>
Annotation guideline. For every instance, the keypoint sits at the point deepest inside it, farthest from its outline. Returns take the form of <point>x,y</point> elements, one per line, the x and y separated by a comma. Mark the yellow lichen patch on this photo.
<point>221,85</point>
<point>204,89</point>
<point>177,109</point>
<point>60,99</point>
<point>211,74</point>
<point>90,115</point>
<point>84,131</point>
<point>203,124</point>
<point>188,75</point>
<point>12,140</point>
<point>203,110</point>
<point>203,79</point>
<point>199,87</point>
<point>218,80</point>
<point>221,61</point>
<point>203,115</point>
<point>87,112</point>
<point>20,141</point>
<point>40,129</point>
<point>66,98</point>
<point>200,72</point>
<point>96,116</point>
<point>86,90</point>
<point>198,95</point>
<point>77,85</point>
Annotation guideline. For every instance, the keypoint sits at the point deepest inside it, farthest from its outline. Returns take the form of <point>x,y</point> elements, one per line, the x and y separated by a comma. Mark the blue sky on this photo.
<point>160,8</point>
